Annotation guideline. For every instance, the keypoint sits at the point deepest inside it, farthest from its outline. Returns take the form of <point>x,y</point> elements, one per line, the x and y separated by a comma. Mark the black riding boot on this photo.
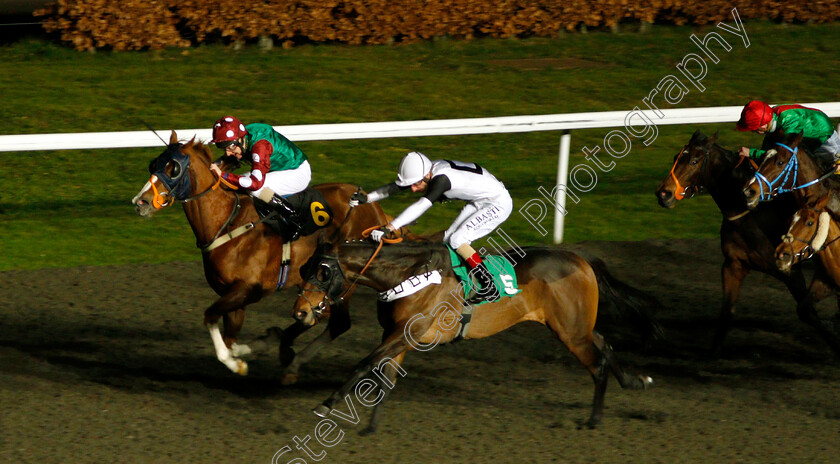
<point>289,214</point>
<point>488,290</point>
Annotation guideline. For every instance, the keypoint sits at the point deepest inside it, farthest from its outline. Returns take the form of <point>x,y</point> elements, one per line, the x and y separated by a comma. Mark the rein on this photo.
<point>325,285</point>
<point>792,166</point>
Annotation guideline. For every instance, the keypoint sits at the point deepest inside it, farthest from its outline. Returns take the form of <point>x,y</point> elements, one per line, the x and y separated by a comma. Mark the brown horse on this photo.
<point>559,289</point>
<point>813,231</point>
<point>242,269</point>
<point>748,238</point>
<point>786,168</point>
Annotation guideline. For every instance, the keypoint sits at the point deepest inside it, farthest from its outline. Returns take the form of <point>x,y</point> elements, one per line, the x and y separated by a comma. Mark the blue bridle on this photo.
<point>792,167</point>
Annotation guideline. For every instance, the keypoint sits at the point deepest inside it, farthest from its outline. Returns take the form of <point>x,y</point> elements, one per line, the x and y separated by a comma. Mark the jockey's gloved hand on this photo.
<point>377,234</point>
<point>358,198</point>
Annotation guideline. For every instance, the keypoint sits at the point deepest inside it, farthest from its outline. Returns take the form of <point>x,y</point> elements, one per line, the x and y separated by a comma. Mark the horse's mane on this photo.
<point>198,148</point>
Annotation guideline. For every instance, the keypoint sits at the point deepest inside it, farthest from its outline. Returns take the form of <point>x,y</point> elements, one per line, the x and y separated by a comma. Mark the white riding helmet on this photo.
<point>413,168</point>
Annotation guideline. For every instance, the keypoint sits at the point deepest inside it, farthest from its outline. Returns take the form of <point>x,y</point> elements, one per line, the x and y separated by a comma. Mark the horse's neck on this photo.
<point>208,214</point>
<point>808,171</point>
<point>391,267</point>
<point>725,181</point>
<point>830,253</point>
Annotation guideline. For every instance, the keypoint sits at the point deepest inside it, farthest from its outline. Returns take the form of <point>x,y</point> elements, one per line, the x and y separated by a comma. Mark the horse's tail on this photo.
<point>623,309</point>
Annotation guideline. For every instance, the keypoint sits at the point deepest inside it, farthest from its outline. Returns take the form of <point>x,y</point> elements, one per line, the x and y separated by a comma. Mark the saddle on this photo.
<point>313,213</point>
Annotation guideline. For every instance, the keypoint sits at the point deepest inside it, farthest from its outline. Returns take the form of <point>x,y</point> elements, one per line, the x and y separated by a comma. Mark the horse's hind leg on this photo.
<point>635,382</point>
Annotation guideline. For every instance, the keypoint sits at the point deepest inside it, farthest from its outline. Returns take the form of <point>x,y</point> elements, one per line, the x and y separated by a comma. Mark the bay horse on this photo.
<point>559,290</point>
<point>814,231</point>
<point>748,237</point>
<point>247,267</point>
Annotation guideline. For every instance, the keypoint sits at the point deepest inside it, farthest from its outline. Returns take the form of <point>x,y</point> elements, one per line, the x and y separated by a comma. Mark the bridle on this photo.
<point>688,191</point>
<point>787,175</point>
<point>809,249</point>
<point>332,277</point>
<point>178,186</point>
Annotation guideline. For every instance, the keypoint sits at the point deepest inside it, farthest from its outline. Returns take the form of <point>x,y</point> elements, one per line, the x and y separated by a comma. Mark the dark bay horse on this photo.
<point>559,290</point>
<point>748,238</point>
<point>247,267</point>
<point>786,168</point>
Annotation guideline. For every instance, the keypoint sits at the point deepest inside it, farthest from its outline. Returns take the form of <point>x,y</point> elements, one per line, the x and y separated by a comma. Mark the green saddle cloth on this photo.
<point>503,274</point>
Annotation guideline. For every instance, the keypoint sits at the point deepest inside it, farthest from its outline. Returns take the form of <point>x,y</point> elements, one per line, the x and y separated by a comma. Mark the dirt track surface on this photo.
<point>113,365</point>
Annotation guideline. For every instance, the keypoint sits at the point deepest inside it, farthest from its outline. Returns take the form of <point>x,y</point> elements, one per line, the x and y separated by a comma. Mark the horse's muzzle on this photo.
<point>751,195</point>
<point>666,198</point>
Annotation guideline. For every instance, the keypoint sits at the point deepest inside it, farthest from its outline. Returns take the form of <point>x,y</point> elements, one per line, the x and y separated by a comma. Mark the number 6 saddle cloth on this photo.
<point>502,270</point>
<point>312,209</point>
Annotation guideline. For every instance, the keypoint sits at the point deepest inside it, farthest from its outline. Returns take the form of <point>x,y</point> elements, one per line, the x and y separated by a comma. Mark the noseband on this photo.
<point>689,191</point>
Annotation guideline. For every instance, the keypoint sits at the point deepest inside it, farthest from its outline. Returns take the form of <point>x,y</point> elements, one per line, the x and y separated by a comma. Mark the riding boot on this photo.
<point>289,214</point>
<point>488,290</point>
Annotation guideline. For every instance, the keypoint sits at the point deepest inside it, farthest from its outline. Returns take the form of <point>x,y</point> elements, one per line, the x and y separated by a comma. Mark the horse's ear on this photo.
<point>696,135</point>
<point>796,139</point>
<point>711,140</point>
<point>822,202</point>
<point>173,137</point>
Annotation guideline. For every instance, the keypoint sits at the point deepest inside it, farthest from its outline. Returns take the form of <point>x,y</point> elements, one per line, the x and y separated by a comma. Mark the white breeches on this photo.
<point>287,182</point>
<point>477,220</point>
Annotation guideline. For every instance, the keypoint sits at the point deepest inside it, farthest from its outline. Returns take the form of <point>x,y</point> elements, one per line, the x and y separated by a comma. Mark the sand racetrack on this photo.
<point>113,365</point>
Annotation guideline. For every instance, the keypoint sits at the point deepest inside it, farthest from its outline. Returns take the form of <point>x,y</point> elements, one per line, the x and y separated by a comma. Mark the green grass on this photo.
<point>70,208</point>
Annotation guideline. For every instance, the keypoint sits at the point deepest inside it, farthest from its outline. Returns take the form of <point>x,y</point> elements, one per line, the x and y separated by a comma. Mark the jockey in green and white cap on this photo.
<point>488,205</point>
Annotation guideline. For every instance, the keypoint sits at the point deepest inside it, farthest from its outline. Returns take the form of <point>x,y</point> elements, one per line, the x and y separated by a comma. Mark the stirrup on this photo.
<point>488,292</point>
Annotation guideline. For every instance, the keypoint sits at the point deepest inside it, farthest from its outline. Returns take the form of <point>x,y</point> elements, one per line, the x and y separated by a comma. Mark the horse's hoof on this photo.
<point>367,431</point>
<point>647,382</point>
<point>241,367</point>
<point>322,411</point>
<point>590,424</point>
<point>287,355</point>
<point>239,350</point>
<point>289,379</point>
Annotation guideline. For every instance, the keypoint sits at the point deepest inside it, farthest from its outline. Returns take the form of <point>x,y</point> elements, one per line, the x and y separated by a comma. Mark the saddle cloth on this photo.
<point>312,208</point>
<point>503,274</point>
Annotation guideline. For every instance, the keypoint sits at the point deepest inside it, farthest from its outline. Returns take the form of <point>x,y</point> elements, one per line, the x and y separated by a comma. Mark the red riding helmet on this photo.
<point>228,129</point>
<point>754,115</point>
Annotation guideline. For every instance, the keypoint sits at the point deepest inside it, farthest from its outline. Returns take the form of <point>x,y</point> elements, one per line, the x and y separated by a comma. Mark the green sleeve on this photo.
<point>812,123</point>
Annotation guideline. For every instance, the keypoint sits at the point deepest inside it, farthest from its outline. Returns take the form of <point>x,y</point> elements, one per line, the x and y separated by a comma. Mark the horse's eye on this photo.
<point>780,163</point>
<point>694,161</point>
<point>324,273</point>
<point>176,170</point>
<point>810,223</point>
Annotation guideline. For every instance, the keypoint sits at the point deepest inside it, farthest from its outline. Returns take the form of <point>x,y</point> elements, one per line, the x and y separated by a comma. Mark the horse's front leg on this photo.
<point>386,384</point>
<point>231,306</point>
<point>339,323</point>
<point>821,287</point>
<point>733,274</point>
<point>383,355</point>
